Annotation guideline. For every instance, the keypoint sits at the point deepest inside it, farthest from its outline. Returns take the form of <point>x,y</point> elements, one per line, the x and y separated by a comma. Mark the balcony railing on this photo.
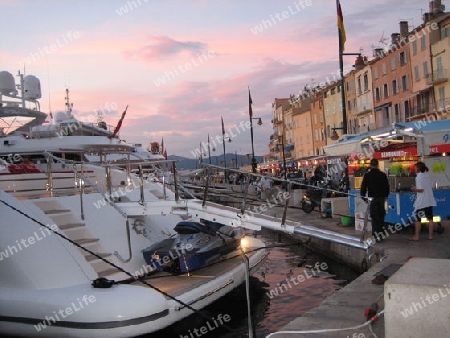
<point>437,77</point>
<point>362,109</point>
<point>443,104</point>
<point>418,110</point>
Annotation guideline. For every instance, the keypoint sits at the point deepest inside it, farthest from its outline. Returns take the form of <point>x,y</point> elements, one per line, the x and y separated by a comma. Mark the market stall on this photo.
<point>433,145</point>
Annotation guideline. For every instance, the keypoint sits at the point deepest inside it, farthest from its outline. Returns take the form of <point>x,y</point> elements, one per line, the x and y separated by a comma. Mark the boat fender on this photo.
<point>371,312</point>
<point>102,283</point>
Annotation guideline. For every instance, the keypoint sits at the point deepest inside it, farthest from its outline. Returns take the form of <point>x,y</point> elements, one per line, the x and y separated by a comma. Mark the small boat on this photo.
<point>195,245</point>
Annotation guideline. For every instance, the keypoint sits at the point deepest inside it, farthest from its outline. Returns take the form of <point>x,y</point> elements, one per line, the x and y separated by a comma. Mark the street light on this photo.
<point>259,123</point>
<point>334,135</point>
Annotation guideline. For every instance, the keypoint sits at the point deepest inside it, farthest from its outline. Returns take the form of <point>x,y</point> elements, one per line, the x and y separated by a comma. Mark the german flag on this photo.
<point>340,24</point>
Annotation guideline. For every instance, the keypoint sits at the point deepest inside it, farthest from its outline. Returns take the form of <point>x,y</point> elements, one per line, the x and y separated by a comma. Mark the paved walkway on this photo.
<point>346,307</point>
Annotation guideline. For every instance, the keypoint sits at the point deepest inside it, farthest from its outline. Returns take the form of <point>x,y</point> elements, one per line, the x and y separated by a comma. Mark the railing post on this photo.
<point>175,183</point>
<point>49,185</point>
<point>128,168</point>
<point>283,220</point>
<point>141,188</point>
<point>81,183</point>
<point>205,194</point>
<point>244,202</point>
<point>108,180</point>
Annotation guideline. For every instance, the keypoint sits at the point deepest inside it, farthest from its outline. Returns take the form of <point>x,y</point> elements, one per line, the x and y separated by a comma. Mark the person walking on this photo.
<point>376,185</point>
<point>425,201</point>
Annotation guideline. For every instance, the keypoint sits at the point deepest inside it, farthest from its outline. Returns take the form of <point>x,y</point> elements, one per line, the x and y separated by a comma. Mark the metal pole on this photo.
<point>284,159</point>
<point>224,158</point>
<point>344,109</point>
<point>254,163</point>
<point>341,73</point>
<point>205,194</point>
<point>209,151</point>
<point>175,183</point>
<point>81,182</point>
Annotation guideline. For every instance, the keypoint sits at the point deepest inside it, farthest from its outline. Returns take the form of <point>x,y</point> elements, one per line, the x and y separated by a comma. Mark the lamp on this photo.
<point>334,135</point>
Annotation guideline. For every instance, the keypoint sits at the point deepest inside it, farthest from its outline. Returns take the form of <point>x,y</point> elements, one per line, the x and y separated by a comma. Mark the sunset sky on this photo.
<point>181,65</point>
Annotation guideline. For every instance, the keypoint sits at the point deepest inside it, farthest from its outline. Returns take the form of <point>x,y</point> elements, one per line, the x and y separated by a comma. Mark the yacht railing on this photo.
<point>302,230</point>
<point>82,179</point>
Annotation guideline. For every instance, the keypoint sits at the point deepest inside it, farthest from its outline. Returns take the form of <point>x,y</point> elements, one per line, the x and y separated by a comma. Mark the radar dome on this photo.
<point>32,87</point>
<point>61,116</point>
<point>7,83</point>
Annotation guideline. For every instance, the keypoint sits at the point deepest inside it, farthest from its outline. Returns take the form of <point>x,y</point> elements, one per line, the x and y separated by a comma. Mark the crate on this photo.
<point>339,205</point>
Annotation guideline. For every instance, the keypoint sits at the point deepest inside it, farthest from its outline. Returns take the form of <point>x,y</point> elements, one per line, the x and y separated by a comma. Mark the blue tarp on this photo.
<point>289,147</point>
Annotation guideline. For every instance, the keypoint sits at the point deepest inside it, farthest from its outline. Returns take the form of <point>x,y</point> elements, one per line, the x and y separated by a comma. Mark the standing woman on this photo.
<point>425,201</point>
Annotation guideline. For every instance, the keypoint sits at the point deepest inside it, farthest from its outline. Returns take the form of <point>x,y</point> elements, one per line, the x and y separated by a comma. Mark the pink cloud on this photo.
<point>163,46</point>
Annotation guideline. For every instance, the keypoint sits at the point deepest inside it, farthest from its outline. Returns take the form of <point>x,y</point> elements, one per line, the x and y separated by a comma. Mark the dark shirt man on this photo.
<point>376,185</point>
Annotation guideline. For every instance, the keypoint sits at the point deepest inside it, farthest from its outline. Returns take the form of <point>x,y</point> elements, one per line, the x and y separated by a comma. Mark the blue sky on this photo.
<point>181,65</point>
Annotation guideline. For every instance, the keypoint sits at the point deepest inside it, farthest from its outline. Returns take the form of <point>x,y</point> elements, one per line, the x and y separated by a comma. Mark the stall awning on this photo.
<point>352,144</point>
<point>431,135</point>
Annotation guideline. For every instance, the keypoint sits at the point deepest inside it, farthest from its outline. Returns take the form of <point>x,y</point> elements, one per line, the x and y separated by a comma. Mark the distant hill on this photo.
<point>190,163</point>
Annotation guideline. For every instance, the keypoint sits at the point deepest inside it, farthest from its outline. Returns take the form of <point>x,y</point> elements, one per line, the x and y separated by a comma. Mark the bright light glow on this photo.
<point>409,129</point>
<point>435,219</point>
<point>244,242</point>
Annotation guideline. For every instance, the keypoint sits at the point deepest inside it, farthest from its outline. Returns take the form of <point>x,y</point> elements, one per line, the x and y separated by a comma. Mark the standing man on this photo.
<point>376,185</point>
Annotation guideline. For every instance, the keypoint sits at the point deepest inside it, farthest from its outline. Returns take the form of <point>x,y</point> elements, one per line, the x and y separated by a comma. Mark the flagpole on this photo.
<point>223,143</point>
<point>341,73</point>
<point>254,162</point>
<point>209,150</point>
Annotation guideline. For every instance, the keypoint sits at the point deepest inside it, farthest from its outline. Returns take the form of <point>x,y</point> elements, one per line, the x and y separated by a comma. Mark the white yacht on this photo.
<point>74,234</point>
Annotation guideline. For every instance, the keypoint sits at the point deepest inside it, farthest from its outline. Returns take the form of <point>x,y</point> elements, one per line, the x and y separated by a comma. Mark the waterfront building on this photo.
<point>303,128</point>
<point>318,122</point>
<point>332,103</point>
<point>440,62</point>
<point>361,118</point>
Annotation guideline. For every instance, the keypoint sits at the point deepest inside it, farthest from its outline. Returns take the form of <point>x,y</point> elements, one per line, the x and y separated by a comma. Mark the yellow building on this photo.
<point>440,51</point>
<point>302,128</point>
<point>332,103</point>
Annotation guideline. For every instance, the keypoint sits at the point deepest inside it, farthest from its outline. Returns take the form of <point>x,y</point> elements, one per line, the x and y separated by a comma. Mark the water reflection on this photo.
<point>291,282</point>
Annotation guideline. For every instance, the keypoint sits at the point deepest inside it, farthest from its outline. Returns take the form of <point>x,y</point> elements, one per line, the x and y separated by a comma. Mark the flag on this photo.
<point>340,24</point>
<point>250,111</point>
<point>51,115</point>
<point>223,128</point>
<point>165,154</point>
<point>116,130</point>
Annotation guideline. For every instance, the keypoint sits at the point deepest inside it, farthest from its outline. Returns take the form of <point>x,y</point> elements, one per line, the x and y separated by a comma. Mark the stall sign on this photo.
<point>440,148</point>
<point>395,153</point>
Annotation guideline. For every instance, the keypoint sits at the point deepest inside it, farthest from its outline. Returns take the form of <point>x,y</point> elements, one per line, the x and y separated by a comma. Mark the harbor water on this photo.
<point>290,282</point>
